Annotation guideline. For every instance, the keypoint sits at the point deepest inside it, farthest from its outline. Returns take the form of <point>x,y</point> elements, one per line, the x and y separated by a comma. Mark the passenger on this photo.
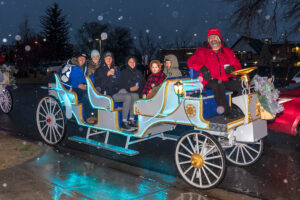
<point>154,80</point>
<point>132,80</point>
<point>107,82</point>
<point>171,66</point>
<point>73,77</point>
<point>216,62</point>
<point>93,63</point>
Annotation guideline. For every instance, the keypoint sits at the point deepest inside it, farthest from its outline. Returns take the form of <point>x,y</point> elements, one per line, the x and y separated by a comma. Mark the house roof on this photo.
<point>256,44</point>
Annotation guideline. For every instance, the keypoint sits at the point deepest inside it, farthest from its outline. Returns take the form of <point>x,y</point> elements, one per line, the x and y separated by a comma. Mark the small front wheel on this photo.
<point>244,154</point>
<point>6,101</point>
<point>50,120</point>
<point>200,160</point>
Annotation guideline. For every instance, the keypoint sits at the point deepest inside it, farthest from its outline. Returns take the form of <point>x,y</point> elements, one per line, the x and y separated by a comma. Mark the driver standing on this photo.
<point>215,62</point>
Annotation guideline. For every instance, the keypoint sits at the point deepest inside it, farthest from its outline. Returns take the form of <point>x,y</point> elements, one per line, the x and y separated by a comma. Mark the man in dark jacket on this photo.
<point>107,83</point>
<point>216,62</point>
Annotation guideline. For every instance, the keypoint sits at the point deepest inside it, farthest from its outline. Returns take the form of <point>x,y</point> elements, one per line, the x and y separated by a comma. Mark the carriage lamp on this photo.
<point>178,87</point>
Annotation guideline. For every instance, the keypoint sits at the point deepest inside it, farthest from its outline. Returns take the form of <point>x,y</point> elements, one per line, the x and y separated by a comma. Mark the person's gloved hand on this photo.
<point>205,73</point>
<point>229,69</point>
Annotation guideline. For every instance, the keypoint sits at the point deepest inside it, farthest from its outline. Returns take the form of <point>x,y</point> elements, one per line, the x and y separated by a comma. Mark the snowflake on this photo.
<point>9,35</point>
<point>134,37</point>
<point>2,3</point>
<point>4,40</point>
<point>92,10</point>
<point>18,37</point>
<point>268,17</point>
<point>285,180</point>
<point>175,14</point>
<point>220,109</point>
<point>176,30</point>
<point>259,11</point>
<point>44,39</point>
<point>159,37</point>
<point>167,5</point>
<point>4,185</point>
<point>100,18</point>
<point>120,18</point>
<point>27,48</point>
<point>147,30</point>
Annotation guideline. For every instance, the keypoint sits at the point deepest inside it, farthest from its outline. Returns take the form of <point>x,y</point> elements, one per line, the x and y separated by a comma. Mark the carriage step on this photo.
<point>117,149</point>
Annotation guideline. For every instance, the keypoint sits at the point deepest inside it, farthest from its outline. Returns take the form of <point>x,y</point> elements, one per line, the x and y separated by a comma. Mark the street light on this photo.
<point>103,36</point>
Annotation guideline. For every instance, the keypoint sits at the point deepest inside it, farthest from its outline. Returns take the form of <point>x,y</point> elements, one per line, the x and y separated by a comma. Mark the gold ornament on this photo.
<point>190,110</point>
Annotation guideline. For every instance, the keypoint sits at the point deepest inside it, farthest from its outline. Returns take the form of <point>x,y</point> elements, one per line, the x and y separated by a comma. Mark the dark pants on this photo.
<point>86,106</point>
<point>218,88</point>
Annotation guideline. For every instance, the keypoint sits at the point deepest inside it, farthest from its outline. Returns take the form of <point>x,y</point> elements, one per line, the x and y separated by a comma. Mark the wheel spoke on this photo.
<point>57,112</point>
<point>237,155</point>
<point>50,105</point>
<point>194,173</point>
<point>210,171</point>
<point>212,157</point>
<point>47,131</point>
<point>232,151</point>
<point>46,107</point>
<point>183,154</point>
<point>213,165</point>
<point>252,149</point>
<point>191,143</point>
<point>203,146</point>
<point>43,109</point>
<point>205,174</point>
<point>248,153</point>
<point>185,162</point>
<point>207,153</point>
<point>200,176</point>
<point>54,107</point>
<point>58,119</point>
<point>243,156</point>
<point>43,115</point>
<point>186,171</point>
<point>197,144</point>
<point>57,131</point>
<point>186,148</point>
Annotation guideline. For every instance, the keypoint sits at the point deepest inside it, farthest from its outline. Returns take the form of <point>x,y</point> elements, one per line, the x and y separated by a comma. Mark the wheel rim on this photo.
<point>6,101</point>
<point>50,120</point>
<point>200,160</point>
<point>243,154</point>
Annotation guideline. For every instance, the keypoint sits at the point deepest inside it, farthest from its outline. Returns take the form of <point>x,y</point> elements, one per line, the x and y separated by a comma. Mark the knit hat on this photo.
<point>213,31</point>
<point>108,53</point>
<point>82,55</point>
<point>95,52</point>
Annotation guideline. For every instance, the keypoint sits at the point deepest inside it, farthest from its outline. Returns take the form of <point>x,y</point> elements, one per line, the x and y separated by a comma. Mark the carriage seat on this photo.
<point>64,92</point>
<point>100,101</point>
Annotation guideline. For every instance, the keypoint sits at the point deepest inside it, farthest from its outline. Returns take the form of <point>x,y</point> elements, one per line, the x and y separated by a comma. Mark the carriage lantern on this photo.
<point>178,87</point>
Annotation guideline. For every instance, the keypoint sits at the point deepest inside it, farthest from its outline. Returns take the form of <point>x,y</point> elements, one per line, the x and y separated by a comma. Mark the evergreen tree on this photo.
<point>56,31</point>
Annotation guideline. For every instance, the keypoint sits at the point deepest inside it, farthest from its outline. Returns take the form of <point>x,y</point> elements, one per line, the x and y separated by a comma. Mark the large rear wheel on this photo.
<point>200,160</point>
<point>6,101</point>
<point>50,120</point>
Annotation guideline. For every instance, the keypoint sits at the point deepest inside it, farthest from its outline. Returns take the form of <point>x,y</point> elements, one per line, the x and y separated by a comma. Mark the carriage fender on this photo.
<point>251,132</point>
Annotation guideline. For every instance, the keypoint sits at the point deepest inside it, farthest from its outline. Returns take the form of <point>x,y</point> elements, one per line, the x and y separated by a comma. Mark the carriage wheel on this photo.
<point>6,101</point>
<point>244,154</point>
<point>50,120</point>
<point>200,160</point>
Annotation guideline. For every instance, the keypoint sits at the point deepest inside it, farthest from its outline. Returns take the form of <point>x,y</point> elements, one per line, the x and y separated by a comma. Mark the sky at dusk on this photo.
<point>163,19</point>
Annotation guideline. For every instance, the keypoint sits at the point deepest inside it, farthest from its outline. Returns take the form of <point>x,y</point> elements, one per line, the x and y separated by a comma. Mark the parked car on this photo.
<point>289,120</point>
<point>296,78</point>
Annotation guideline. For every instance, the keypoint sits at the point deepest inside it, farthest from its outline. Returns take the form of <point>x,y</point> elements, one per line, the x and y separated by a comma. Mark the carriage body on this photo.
<point>199,153</point>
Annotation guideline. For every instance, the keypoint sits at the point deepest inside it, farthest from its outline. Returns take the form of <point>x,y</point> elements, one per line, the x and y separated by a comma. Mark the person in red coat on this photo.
<point>215,63</point>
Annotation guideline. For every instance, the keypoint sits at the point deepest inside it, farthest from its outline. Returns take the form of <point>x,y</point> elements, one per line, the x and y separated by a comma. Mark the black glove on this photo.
<point>229,69</point>
<point>205,73</point>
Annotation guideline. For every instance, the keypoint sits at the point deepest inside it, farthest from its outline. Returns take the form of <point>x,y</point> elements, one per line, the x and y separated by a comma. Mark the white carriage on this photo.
<point>200,153</point>
<point>6,101</point>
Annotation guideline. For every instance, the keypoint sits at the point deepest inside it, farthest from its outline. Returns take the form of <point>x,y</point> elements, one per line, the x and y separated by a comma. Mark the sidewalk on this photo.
<point>68,174</point>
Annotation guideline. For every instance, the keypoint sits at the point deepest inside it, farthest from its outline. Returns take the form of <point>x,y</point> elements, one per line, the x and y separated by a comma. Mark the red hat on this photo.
<point>213,31</point>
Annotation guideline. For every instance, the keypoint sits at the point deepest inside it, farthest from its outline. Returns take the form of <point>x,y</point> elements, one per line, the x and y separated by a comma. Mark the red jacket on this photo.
<point>214,61</point>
